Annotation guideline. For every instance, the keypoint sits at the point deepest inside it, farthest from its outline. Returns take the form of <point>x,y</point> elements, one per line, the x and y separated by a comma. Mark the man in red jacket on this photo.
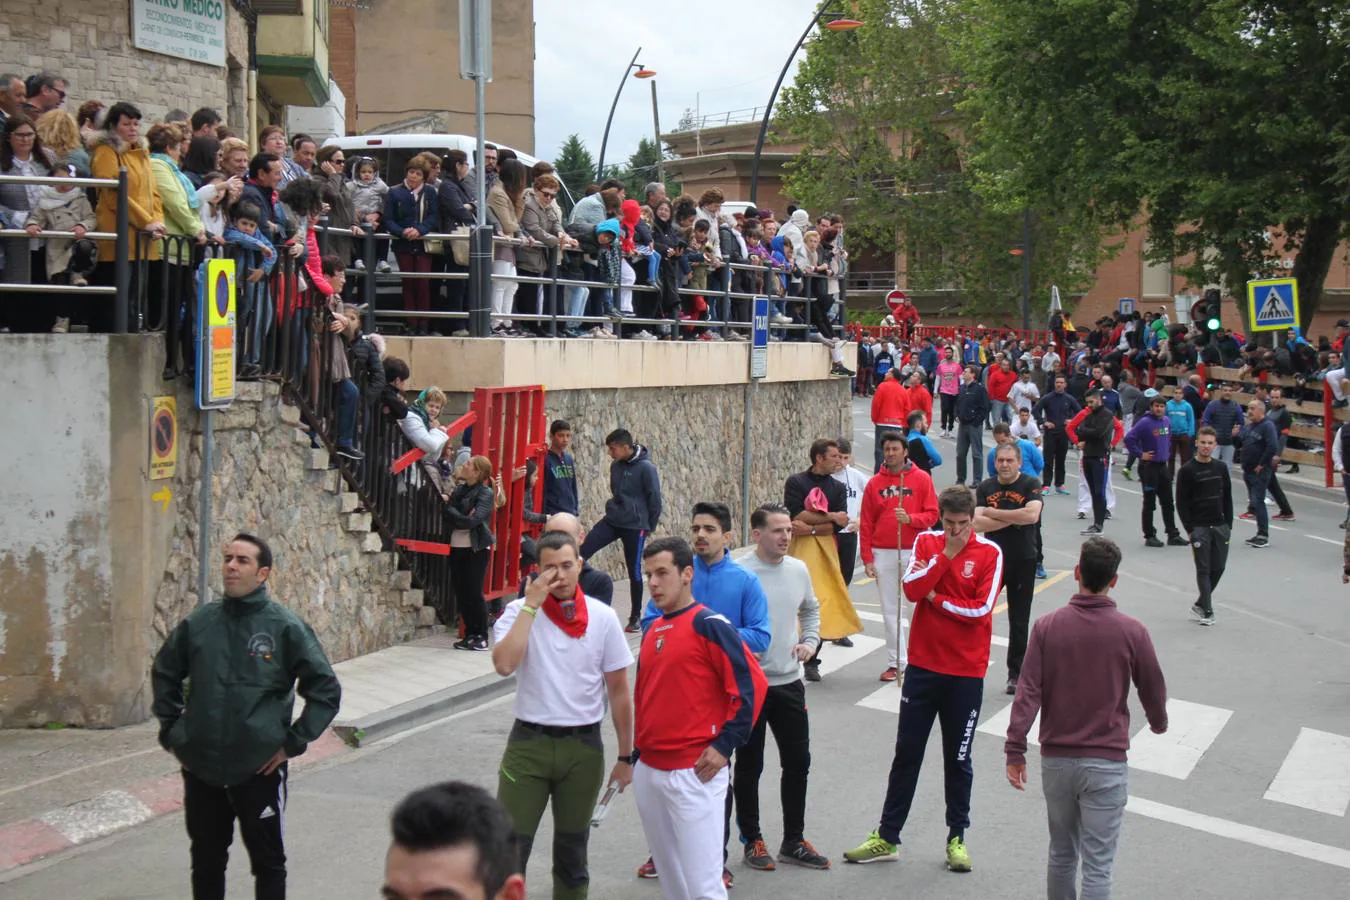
<point>890,411</point>
<point>898,503</point>
<point>919,396</point>
<point>953,579</point>
<point>1077,674</point>
<point>1001,379</point>
<point>692,660</point>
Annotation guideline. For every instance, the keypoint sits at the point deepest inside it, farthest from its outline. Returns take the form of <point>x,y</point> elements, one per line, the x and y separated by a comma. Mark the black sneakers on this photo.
<point>1177,540</point>
<point>1151,541</point>
<point>1259,542</point>
<point>1091,529</point>
<point>1201,617</point>
<point>813,671</point>
<point>801,853</point>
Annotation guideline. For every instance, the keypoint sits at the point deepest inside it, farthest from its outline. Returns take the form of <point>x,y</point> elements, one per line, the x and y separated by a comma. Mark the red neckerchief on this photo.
<point>573,620</point>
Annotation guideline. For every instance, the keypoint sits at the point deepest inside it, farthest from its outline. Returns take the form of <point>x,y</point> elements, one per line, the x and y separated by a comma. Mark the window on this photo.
<point>1157,280</point>
<point>279,7</point>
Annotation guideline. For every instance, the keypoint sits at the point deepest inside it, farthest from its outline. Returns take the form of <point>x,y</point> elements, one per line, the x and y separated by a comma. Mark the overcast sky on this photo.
<point>715,58</point>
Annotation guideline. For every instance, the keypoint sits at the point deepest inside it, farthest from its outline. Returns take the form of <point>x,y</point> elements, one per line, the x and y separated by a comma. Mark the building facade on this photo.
<point>398,64</point>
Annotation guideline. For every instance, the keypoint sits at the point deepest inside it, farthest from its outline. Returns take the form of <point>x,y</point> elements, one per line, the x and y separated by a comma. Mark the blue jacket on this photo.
<point>402,211</point>
<point>732,591</point>
<point>635,492</point>
<point>928,360</point>
<point>1033,463</point>
<point>1056,408</point>
<point>934,458</point>
<point>1150,435</point>
<point>253,245</point>
<point>560,484</point>
<point>1181,416</point>
<point>270,205</point>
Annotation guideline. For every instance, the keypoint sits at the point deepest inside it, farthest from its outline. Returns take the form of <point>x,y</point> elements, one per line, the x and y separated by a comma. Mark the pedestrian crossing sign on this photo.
<point>1272,303</point>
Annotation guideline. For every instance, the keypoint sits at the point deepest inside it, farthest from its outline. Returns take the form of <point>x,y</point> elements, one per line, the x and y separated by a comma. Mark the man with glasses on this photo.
<point>489,166</point>
<point>46,91</point>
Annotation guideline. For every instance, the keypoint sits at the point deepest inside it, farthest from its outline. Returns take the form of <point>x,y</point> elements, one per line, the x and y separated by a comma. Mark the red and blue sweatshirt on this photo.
<point>950,634</point>
<point>697,685</point>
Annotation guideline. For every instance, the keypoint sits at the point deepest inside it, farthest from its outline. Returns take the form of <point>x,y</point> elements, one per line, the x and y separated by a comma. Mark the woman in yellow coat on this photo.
<point>120,146</point>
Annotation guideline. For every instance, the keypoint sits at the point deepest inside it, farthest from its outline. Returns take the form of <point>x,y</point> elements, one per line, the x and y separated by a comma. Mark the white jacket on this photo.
<point>430,441</point>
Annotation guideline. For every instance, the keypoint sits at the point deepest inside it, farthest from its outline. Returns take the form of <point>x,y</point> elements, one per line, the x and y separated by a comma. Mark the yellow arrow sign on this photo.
<point>162,497</point>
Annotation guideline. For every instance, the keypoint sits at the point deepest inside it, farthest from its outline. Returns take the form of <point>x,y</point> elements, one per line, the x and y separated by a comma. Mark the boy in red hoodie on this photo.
<point>953,579</point>
<point>887,528</point>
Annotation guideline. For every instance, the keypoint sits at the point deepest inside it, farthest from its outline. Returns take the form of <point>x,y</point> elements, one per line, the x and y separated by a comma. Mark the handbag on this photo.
<point>459,249</point>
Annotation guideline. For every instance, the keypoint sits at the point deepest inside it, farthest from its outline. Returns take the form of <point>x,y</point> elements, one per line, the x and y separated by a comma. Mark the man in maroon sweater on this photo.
<point>1077,673</point>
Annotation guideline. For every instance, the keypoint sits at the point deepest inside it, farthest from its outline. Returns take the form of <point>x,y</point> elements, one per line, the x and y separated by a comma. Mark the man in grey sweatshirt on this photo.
<point>794,626</point>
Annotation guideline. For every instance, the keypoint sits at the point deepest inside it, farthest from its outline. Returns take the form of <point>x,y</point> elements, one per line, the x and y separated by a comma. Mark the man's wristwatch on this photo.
<point>627,760</point>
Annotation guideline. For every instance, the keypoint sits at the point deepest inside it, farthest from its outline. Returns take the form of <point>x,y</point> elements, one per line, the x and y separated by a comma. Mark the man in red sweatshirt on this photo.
<point>887,527</point>
<point>890,411</point>
<point>1001,379</point>
<point>692,660</point>
<point>952,580</point>
<point>1077,673</point>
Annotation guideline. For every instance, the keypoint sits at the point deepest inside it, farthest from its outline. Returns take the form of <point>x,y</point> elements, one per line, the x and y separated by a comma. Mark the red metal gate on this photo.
<point>509,428</point>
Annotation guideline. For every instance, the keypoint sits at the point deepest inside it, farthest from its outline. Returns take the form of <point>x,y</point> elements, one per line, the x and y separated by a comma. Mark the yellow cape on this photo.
<point>838,618</point>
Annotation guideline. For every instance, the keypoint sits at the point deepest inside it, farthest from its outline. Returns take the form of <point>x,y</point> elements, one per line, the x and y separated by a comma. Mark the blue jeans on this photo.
<point>347,396</point>
<point>1257,482</point>
<point>576,304</point>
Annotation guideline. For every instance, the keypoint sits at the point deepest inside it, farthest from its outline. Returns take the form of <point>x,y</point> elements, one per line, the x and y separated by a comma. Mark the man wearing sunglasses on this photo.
<point>46,92</point>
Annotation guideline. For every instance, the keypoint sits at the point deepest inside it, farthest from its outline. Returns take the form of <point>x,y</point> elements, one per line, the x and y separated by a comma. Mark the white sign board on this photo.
<point>187,29</point>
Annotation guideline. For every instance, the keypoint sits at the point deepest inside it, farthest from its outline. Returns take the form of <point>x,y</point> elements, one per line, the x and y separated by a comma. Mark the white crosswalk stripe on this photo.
<point>1191,728</point>
<point>1316,773</point>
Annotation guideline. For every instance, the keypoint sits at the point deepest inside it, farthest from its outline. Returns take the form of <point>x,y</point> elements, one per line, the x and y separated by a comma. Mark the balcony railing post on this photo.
<point>480,282</point>
<point>368,282</point>
<point>122,263</point>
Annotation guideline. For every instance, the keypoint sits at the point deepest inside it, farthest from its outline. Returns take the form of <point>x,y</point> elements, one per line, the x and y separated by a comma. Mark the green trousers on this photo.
<point>569,771</point>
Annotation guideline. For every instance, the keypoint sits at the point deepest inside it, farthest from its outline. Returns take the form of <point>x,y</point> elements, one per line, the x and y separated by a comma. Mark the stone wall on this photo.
<point>329,568</point>
<point>89,44</point>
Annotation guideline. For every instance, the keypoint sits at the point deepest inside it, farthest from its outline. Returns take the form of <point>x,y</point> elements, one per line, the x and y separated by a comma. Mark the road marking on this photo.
<point>1316,773</point>
<point>838,657</point>
<point>1191,729</point>
<point>1247,834</point>
<point>1053,579</point>
<point>862,581</point>
<point>997,725</point>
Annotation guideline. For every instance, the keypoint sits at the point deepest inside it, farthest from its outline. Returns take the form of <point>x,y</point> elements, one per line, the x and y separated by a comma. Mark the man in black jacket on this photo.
<point>1260,445</point>
<point>1053,412</point>
<point>1205,507</point>
<point>1093,435</point>
<point>972,408</point>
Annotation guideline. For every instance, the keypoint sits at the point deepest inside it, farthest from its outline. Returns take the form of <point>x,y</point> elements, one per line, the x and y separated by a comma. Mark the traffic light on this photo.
<point>1213,310</point>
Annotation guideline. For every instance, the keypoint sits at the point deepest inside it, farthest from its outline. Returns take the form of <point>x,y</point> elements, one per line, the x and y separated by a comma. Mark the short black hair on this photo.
<point>612,183</point>
<point>678,548</point>
<point>302,138</point>
<point>245,210</point>
<point>1098,561</point>
<point>559,425</point>
<point>204,117</point>
<point>1002,428</point>
<point>264,551</point>
<point>760,517</point>
<point>893,437</point>
<point>261,162</point>
<point>845,446</point>
<point>555,540</point>
<point>821,447</point>
<point>121,111</point>
<point>619,436</point>
<point>956,499</point>
<point>304,196</point>
<point>453,814</point>
<point>395,368</point>
<point>915,419</point>
<point>719,511</point>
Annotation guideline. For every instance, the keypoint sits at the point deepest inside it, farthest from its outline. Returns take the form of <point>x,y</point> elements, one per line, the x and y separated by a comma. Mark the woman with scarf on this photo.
<point>184,224</point>
<point>469,512</point>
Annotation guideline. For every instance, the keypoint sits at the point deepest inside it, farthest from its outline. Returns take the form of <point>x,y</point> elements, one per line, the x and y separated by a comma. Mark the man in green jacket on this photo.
<point>225,684</point>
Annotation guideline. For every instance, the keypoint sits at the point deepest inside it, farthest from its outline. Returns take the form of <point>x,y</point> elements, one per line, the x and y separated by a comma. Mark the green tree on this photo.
<point>876,113</point>
<point>1222,124</point>
<point>576,167</point>
<point>641,170</point>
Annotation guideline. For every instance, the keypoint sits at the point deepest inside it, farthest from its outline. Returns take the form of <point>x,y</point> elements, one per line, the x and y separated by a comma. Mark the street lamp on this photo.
<point>833,22</point>
<point>642,72</point>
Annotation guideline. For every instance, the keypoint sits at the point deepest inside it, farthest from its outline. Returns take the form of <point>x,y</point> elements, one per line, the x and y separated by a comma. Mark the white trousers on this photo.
<point>1334,379</point>
<point>1085,496</point>
<point>682,819</point>
<point>503,292</point>
<point>627,278</point>
<point>890,566</point>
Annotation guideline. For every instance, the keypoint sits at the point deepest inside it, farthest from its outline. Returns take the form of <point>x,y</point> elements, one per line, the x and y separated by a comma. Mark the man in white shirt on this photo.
<point>1024,393</point>
<point>854,482</point>
<point>1024,426</point>
<point>568,652</point>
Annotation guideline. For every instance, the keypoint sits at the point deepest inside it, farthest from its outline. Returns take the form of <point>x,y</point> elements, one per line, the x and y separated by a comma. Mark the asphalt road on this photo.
<point>1245,797</point>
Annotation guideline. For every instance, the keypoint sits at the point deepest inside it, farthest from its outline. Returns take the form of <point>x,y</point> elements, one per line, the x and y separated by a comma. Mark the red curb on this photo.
<point>25,842</point>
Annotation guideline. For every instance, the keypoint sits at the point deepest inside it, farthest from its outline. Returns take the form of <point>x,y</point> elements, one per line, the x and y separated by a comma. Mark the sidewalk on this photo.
<point>60,788</point>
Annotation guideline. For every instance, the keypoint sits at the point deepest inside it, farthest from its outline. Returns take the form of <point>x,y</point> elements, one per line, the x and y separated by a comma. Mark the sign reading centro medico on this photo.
<point>187,29</point>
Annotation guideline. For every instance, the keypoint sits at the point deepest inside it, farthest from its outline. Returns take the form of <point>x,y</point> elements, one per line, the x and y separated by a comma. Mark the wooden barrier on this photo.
<point>1328,420</point>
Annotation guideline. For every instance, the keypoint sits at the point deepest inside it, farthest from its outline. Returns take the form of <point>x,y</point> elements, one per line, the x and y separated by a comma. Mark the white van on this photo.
<point>392,151</point>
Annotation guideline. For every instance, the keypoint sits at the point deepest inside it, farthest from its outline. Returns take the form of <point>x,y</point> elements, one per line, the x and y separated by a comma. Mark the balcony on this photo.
<point>293,50</point>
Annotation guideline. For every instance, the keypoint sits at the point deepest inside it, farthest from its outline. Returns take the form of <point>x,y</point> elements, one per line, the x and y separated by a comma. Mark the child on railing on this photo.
<point>367,191</point>
<point>257,256</point>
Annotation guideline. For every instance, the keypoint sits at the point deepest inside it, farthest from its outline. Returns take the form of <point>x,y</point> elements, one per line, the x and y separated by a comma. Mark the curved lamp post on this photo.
<point>833,22</point>
<point>642,72</point>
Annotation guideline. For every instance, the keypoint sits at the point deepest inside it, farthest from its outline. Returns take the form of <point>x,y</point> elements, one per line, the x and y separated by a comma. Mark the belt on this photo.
<point>559,730</point>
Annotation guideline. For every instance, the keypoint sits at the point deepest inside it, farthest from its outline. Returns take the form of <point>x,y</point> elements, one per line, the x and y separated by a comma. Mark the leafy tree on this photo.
<point>641,170</point>
<point>575,165</point>
<point>1222,124</point>
<point>876,113</point>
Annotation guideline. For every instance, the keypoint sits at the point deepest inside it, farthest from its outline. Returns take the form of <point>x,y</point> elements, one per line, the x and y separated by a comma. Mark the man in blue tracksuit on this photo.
<point>1150,439</point>
<point>560,472</point>
<point>728,589</point>
<point>632,511</point>
<point>1260,444</point>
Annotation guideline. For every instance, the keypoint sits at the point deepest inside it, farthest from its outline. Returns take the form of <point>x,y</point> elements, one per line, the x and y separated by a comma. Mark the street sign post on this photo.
<point>216,329</point>
<point>1125,306</point>
<point>895,298</point>
<point>1272,304</point>
<point>759,340</point>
